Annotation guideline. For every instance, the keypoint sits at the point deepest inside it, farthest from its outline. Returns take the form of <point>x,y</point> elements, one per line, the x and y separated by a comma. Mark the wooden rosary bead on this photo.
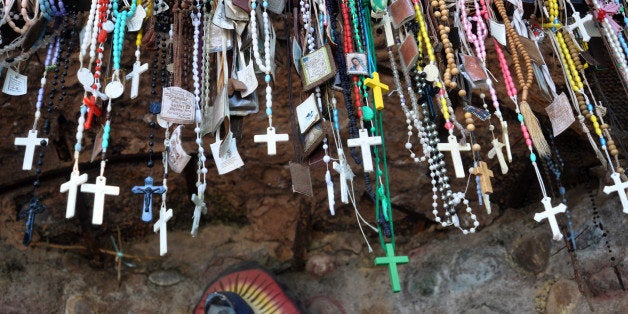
<point>476,147</point>
<point>620,169</point>
<point>462,93</point>
<point>604,126</point>
<point>614,152</point>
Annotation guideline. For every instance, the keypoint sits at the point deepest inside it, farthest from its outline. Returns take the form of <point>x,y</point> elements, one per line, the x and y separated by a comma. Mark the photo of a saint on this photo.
<point>356,64</point>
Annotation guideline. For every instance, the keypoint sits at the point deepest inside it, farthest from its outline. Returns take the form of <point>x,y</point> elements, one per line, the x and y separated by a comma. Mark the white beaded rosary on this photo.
<point>270,137</point>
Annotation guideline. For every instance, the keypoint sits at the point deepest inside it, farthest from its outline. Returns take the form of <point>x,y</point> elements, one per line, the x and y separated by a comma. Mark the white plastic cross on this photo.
<point>550,213</point>
<point>134,76</point>
<point>454,147</point>
<point>100,189</point>
<point>579,24</point>
<point>365,142</point>
<point>161,226</point>
<point>620,188</point>
<point>76,179</point>
<point>388,30</point>
<point>497,151</point>
<point>30,142</point>
<point>346,176</point>
<point>271,139</point>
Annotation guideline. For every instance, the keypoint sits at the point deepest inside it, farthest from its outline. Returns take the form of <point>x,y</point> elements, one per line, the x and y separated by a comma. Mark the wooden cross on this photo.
<point>76,179</point>
<point>92,109</point>
<point>160,225</point>
<point>199,207</point>
<point>497,151</point>
<point>365,142</point>
<point>30,142</point>
<point>506,140</point>
<point>377,87</point>
<point>485,175</point>
<point>271,139</point>
<point>454,147</point>
<point>134,76</point>
<point>100,189</point>
<point>148,189</point>
<point>392,262</point>
<point>34,208</point>
<point>550,213</point>
<point>346,176</point>
<point>620,188</point>
<point>579,24</point>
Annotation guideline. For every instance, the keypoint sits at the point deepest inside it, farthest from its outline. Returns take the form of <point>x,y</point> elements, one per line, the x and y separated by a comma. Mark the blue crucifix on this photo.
<point>148,189</point>
<point>34,208</point>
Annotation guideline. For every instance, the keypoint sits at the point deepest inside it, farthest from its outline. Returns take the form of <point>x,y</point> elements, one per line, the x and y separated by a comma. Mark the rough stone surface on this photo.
<point>563,297</point>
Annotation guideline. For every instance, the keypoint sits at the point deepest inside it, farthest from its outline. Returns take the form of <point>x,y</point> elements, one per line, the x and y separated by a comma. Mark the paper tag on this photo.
<point>15,84</point>
<point>229,160</point>
<point>97,144</point>
<point>247,76</point>
<point>498,31</point>
<point>317,67</point>
<point>220,17</point>
<point>482,114</point>
<point>307,113</point>
<point>533,51</point>
<point>177,105</point>
<point>473,67</point>
<point>560,114</point>
<point>215,42</point>
<point>134,24</point>
<point>177,157</point>
<point>301,180</point>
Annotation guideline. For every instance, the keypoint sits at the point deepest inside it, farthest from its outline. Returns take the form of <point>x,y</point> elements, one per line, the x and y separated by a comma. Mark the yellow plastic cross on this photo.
<point>377,87</point>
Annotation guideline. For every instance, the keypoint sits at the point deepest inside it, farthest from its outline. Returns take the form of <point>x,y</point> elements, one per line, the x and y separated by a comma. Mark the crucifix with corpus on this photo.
<point>148,189</point>
<point>199,207</point>
<point>34,207</point>
<point>346,176</point>
<point>497,151</point>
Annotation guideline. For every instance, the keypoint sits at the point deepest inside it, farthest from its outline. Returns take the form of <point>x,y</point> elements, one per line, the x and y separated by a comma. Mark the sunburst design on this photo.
<point>260,291</point>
